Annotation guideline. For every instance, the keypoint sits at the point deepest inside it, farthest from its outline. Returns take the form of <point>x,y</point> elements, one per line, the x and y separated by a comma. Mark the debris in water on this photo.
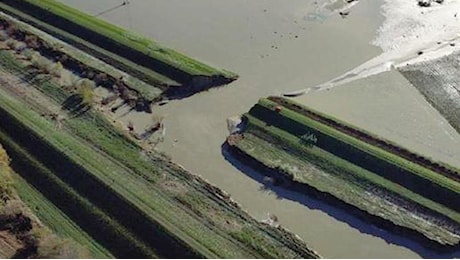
<point>344,14</point>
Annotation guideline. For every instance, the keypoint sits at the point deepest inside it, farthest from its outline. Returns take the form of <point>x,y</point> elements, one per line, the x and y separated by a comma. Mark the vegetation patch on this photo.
<point>22,234</point>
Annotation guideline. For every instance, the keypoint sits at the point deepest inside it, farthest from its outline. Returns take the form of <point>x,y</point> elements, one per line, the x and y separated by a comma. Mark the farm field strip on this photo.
<point>131,188</point>
<point>438,82</point>
<point>75,205</point>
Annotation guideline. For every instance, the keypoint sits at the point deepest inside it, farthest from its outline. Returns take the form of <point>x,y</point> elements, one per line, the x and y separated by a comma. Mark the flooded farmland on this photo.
<point>277,47</point>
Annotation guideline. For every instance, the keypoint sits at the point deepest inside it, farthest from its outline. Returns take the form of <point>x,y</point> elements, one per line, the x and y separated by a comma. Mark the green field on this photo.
<point>277,139</point>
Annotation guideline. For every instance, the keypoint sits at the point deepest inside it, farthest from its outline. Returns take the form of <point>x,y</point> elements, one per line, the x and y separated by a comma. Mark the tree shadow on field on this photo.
<point>336,212</point>
<point>75,106</point>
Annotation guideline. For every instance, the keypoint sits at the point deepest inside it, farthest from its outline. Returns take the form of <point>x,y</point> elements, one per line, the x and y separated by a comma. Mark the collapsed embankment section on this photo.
<point>287,137</point>
<point>193,75</point>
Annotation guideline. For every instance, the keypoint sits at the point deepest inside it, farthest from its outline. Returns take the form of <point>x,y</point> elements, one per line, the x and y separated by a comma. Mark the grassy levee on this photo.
<point>102,228</point>
<point>72,173</point>
<point>399,170</point>
<point>140,50</point>
<point>119,62</point>
<point>55,219</point>
<point>104,161</point>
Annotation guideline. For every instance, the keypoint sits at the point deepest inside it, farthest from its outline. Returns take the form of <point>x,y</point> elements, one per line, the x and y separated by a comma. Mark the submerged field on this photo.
<point>314,151</point>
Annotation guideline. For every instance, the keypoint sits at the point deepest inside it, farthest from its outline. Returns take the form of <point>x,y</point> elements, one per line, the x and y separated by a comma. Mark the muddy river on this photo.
<point>276,47</point>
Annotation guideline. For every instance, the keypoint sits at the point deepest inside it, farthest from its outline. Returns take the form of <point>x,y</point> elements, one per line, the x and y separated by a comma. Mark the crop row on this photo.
<point>54,218</point>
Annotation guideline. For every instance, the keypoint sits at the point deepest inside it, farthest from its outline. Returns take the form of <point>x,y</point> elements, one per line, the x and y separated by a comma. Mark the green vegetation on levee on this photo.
<point>129,39</point>
<point>142,73</point>
<point>110,233</point>
<point>91,163</point>
<point>290,143</point>
<point>390,146</point>
<point>55,219</point>
<point>19,223</point>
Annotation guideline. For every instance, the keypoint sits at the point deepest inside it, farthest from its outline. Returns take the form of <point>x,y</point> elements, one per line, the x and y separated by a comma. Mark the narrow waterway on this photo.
<point>276,47</point>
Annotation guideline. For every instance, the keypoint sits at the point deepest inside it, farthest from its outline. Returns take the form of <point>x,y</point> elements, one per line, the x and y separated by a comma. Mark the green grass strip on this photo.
<point>55,219</point>
<point>59,188</point>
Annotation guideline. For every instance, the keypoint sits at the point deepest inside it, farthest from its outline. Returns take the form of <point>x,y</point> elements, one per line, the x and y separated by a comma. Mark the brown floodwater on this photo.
<point>277,47</point>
